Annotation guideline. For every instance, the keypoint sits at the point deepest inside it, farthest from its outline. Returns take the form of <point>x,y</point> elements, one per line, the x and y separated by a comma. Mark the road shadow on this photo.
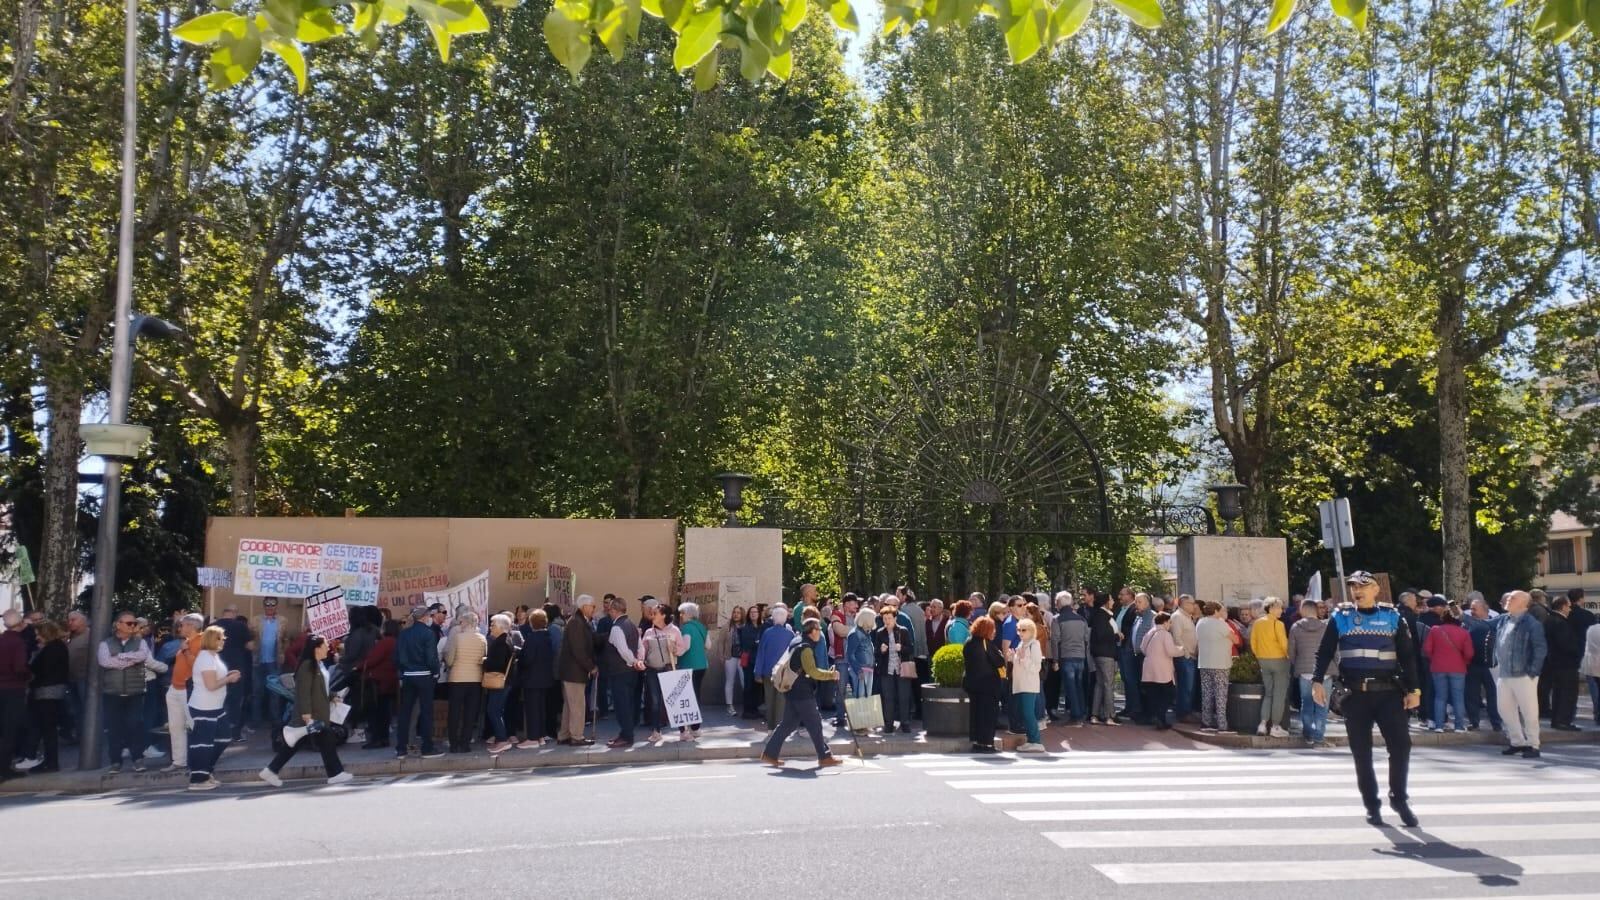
<point>1418,845</point>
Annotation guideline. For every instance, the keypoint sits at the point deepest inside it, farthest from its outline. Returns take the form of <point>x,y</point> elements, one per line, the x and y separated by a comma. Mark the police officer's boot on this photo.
<point>1403,809</point>
<point>1375,816</point>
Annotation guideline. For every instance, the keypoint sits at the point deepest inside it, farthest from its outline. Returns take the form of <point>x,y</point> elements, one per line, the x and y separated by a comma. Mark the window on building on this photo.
<point>1563,557</point>
<point>1593,541</point>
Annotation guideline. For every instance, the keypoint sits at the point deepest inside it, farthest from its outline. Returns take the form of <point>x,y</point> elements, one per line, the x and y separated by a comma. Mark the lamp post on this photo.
<point>1230,504</point>
<point>733,495</point>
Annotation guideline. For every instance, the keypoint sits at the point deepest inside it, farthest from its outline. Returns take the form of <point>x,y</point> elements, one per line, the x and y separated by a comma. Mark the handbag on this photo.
<point>495,681</point>
<point>862,713</point>
<point>908,669</point>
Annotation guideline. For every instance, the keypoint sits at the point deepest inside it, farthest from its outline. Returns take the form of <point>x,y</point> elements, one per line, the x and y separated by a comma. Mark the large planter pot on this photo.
<point>1244,707</point>
<point>946,712</point>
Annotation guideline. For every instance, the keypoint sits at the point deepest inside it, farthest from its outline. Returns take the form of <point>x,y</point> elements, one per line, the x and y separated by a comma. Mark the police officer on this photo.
<point>1377,664</point>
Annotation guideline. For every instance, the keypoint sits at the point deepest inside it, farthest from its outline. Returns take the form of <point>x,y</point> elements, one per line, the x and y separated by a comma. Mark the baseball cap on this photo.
<point>1360,576</point>
<point>1437,601</point>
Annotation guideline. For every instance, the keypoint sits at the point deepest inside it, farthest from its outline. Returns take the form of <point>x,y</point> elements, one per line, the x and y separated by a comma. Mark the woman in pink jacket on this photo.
<point>1156,679</point>
<point>1448,649</point>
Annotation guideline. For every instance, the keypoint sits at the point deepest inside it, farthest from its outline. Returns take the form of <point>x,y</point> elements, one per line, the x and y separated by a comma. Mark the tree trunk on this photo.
<point>244,440</point>
<point>1247,467</point>
<point>1456,500</point>
<point>935,579</point>
<point>58,558</point>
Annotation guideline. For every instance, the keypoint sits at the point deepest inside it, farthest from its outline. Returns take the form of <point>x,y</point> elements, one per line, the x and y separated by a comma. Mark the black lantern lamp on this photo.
<point>733,494</point>
<point>1230,504</point>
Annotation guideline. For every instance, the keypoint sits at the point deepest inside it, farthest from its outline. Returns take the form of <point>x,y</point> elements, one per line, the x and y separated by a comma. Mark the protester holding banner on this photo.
<point>663,644</point>
<point>694,654</point>
<point>464,655</point>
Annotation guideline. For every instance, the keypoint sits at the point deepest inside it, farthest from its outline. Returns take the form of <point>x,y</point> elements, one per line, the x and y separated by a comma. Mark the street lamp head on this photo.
<point>155,327</point>
<point>114,442</point>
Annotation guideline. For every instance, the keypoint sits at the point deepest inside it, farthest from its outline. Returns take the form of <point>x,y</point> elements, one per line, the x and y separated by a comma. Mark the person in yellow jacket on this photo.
<point>1269,641</point>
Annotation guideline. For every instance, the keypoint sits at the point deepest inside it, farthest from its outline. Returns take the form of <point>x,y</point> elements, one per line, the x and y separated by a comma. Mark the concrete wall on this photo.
<point>630,557</point>
<point>747,563</point>
<point>1233,570</point>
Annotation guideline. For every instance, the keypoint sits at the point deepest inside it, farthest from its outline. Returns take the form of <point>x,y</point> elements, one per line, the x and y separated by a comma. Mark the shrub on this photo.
<point>1246,669</point>
<point>949,666</point>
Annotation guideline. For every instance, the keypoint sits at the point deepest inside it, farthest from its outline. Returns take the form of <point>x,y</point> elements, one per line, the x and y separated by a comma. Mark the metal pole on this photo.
<point>105,553</point>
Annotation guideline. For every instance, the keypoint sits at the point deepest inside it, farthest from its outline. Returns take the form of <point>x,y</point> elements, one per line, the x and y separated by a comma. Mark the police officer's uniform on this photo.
<point>1377,665</point>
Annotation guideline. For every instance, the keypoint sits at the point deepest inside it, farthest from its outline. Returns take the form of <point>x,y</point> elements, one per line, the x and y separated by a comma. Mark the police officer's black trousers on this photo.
<point>1386,709</point>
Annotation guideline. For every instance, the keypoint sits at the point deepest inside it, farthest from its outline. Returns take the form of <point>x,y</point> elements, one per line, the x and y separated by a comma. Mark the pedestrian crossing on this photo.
<point>1259,821</point>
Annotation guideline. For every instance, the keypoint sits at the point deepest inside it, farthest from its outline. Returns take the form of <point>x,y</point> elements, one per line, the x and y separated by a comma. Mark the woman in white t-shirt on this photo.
<point>211,680</point>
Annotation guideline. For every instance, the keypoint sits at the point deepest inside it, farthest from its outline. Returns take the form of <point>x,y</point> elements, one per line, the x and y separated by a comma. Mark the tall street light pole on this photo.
<point>105,561</point>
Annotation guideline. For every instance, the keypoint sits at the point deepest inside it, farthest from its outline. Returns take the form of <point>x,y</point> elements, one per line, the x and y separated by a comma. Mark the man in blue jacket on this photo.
<point>416,658</point>
<point>1481,691</point>
<point>1519,650</point>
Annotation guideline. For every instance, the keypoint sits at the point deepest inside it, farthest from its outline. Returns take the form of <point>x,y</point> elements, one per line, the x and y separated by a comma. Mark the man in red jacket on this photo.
<point>13,690</point>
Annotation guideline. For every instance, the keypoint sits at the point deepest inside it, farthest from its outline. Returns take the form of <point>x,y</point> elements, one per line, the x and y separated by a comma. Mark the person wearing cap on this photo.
<point>416,656</point>
<point>1377,664</point>
<point>800,707</point>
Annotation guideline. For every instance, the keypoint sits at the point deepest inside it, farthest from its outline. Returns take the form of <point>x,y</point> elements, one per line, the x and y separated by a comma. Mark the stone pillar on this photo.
<point>747,563</point>
<point>1233,570</point>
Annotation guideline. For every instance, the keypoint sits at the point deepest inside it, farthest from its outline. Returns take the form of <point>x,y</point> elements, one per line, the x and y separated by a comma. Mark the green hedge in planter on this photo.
<point>1246,669</point>
<point>949,667</point>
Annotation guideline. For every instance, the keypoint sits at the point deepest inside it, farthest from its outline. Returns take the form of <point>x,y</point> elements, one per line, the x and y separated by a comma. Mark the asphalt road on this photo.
<point>1132,824</point>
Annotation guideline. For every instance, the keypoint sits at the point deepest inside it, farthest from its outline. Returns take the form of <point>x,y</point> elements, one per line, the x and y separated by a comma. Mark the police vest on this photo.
<point>1366,641</point>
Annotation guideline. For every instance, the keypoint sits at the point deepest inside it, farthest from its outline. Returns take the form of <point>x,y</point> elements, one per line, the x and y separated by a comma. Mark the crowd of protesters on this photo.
<point>185,690</point>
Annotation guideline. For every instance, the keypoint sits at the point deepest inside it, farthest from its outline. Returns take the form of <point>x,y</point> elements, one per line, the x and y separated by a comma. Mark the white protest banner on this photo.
<point>278,569</point>
<point>677,691</point>
<point>326,614</point>
<point>214,578</point>
<point>356,568</point>
<point>561,588</point>
<point>472,594</point>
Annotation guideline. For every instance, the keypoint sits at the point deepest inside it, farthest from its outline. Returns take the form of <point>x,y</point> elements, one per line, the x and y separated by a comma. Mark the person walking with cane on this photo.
<point>1377,659</point>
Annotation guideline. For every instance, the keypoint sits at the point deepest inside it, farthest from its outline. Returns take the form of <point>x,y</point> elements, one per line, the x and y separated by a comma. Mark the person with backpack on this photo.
<point>795,678</point>
<point>774,640</point>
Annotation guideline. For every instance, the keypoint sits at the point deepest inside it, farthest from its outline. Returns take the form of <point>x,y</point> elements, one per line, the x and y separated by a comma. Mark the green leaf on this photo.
<point>568,40</point>
<point>1569,18</point>
<point>507,4</point>
<point>393,12</point>
<point>699,37</point>
<point>1352,11</point>
<point>1068,18</point>
<point>1025,30</point>
<point>613,32</point>
<point>1281,11</point>
<point>1144,13</point>
<point>441,39</point>
<point>794,13</point>
<point>705,71</point>
<point>753,61</point>
<point>207,28</point>
<point>781,65</point>
<point>282,16</point>
<point>238,51</point>
<point>317,25</point>
<point>765,27</point>
<point>1549,16</point>
<point>844,16</point>
<point>294,59</point>
<point>475,21</point>
<point>1592,13</point>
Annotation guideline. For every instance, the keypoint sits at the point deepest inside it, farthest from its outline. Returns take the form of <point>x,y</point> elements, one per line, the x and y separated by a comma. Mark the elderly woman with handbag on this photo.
<point>896,668</point>
<point>315,710</point>
<point>497,680</point>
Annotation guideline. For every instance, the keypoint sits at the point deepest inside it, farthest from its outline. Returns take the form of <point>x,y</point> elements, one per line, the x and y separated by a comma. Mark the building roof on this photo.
<point>1562,522</point>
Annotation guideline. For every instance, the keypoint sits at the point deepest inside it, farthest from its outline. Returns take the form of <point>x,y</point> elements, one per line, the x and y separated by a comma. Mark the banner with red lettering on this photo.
<point>297,569</point>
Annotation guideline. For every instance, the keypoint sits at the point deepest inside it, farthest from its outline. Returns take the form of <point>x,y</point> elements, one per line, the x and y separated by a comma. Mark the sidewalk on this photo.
<point>721,737</point>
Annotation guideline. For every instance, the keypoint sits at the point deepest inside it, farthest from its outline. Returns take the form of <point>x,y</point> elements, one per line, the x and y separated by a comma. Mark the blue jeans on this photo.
<point>1185,675</point>
<point>1313,718</point>
<point>1129,667</point>
<point>1483,694</point>
<point>1450,687</point>
<point>496,711</point>
<point>1028,705</point>
<point>415,690</point>
<point>1072,688</point>
<point>265,707</point>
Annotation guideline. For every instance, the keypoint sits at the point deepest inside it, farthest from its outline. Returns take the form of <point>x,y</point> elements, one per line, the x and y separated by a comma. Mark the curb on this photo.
<point>1418,739</point>
<point>480,761</point>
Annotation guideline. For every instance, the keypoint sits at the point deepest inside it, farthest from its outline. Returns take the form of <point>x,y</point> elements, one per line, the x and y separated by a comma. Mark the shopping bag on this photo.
<point>863,712</point>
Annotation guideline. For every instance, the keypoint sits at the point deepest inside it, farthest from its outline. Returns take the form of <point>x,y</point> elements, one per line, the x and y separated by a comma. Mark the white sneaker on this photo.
<point>1208,730</point>
<point>342,778</point>
<point>270,777</point>
<point>23,765</point>
<point>152,753</point>
<point>1278,732</point>
<point>1031,748</point>
<point>1262,729</point>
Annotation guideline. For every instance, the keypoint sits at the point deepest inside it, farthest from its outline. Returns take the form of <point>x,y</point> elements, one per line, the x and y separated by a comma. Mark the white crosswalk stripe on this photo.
<point>1498,822</point>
